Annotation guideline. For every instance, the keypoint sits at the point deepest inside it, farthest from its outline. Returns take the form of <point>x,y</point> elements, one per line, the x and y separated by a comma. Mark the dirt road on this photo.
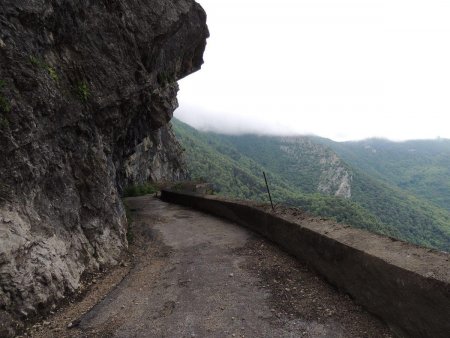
<point>194,275</point>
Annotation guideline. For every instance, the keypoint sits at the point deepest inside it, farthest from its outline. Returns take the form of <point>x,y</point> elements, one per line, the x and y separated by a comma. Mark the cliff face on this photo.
<point>86,91</point>
<point>159,157</point>
<point>332,175</point>
<point>336,178</point>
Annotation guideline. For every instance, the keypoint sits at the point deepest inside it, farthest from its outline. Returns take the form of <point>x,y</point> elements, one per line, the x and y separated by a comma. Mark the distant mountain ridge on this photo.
<point>307,165</point>
<point>421,167</point>
<point>345,181</point>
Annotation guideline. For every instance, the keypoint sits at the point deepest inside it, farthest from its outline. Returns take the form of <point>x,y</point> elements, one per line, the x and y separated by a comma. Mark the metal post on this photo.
<point>268,191</point>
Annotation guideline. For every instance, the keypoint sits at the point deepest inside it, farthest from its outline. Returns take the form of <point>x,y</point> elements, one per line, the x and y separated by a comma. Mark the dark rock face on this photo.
<point>158,157</point>
<point>87,89</point>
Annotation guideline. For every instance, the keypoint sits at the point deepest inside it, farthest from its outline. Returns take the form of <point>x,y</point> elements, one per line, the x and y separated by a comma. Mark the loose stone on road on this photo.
<point>194,275</point>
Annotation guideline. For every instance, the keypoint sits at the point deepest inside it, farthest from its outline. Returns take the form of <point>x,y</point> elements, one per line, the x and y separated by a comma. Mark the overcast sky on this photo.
<point>344,70</point>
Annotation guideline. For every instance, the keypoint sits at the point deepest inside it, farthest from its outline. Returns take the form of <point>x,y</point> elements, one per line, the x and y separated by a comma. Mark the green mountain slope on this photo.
<point>419,167</point>
<point>213,159</point>
<point>305,165</point>
<point>307,172</point>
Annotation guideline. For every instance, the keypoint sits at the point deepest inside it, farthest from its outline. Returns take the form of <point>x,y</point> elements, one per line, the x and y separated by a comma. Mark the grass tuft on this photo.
<point>53,73</point>
<point>82,90</point>
<point>140,190</point>
<point>39,63</point>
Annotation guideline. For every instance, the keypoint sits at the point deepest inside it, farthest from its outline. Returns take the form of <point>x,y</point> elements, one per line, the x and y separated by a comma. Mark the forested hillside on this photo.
<point>420,167</point>
<point>320,176</point>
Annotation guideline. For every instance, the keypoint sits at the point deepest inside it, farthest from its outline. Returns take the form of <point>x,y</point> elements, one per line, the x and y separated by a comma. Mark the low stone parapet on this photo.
<point>406,285</point>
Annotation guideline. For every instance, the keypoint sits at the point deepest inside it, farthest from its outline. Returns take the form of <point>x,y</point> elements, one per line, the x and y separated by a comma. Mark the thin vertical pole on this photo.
<point>268,191</point>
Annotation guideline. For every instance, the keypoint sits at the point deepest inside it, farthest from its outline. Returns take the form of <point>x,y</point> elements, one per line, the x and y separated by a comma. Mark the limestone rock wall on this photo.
<point>159,158</point>
<point>335,178</point>
<point>86,91</point>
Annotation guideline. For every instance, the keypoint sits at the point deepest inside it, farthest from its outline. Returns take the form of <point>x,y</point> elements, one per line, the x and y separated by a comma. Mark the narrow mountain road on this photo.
<point>195,275</point>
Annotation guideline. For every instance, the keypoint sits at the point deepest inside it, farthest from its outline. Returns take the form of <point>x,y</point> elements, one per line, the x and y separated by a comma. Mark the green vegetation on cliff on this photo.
<point>140,190</point>
<point>309,172</point>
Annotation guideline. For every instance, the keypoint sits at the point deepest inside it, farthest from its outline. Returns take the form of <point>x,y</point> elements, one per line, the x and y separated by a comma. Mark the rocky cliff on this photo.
<point>332,175</point>
<point>86,91</point>
<point>335,178</point>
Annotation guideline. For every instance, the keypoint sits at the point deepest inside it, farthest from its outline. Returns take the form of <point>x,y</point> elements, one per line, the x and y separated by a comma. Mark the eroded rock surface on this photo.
<point>86,91</point>
<point>334,177</point>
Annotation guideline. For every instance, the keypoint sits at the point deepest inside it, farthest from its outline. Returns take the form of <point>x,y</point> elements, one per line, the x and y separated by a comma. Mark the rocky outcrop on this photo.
<point>86,91</point>
<point>158,158</point>
<point>330,174</point>
<point>335,178</point>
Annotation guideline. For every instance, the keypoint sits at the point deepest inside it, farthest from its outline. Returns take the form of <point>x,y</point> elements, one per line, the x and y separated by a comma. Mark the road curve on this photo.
<point>195,275</point>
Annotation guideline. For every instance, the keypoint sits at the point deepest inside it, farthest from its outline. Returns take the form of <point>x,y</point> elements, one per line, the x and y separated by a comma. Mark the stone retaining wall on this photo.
<point>406,285</point>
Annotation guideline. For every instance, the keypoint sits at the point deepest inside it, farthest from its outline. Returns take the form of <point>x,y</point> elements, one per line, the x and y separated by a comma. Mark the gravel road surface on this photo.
<point>193,275</point>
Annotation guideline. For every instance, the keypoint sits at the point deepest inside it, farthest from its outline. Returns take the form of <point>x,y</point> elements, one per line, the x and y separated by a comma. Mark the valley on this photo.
<point>385,187</point>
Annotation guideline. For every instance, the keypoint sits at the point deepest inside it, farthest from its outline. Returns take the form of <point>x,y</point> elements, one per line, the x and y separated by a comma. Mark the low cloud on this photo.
<point>342,70</point>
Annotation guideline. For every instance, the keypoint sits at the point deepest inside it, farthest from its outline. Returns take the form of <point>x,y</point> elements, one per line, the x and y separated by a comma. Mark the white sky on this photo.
<point>339,69</point>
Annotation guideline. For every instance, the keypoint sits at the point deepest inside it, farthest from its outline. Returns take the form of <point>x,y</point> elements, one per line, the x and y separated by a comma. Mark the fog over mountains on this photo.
<point>345,70</point>
<point>398,189</point>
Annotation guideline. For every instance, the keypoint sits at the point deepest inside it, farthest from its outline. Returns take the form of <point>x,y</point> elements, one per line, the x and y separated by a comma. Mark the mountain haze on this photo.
<point>342,181</point>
